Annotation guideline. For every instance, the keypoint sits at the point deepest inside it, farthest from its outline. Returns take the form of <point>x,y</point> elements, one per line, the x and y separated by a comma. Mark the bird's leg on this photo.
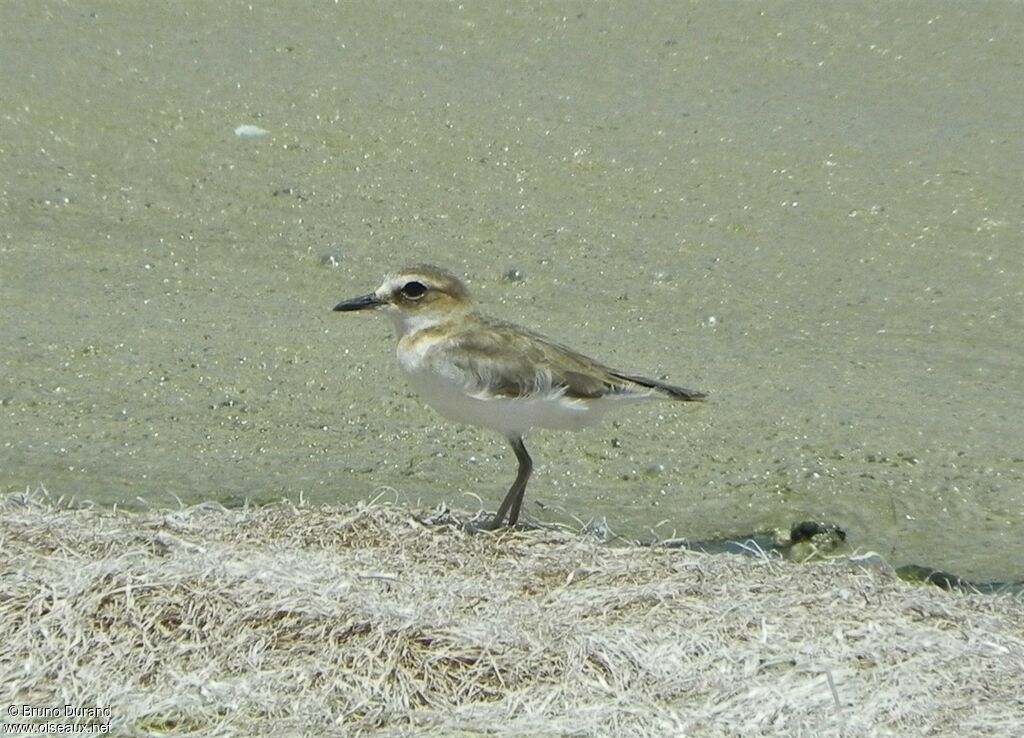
<point>513,501</point>
<point>522,476</point>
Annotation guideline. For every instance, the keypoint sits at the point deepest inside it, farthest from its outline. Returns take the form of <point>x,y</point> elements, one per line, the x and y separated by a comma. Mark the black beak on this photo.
<point>359,303</point>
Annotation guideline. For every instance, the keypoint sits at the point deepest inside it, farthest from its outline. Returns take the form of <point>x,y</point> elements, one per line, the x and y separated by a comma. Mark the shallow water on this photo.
<point>812,213</point>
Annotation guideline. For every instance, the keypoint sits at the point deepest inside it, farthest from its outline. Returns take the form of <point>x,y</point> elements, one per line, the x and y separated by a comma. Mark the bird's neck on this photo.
<point>410,324</point>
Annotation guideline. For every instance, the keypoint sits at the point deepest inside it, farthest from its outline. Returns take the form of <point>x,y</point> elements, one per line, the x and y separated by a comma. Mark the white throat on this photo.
<point>408,324</point>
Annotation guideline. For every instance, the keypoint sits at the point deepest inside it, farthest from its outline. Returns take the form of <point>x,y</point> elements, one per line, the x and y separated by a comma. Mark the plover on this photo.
<point>494,374</point>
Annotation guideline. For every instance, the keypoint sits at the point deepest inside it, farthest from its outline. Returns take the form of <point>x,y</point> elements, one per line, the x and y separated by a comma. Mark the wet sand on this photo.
<point>810,212</point>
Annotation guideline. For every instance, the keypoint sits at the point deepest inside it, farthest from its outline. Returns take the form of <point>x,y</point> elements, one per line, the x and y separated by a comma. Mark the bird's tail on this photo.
<point>676,393</point>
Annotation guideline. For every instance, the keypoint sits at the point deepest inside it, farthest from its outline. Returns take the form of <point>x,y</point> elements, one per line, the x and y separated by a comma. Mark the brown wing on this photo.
<point>508,362</point>
<point>513,362</point>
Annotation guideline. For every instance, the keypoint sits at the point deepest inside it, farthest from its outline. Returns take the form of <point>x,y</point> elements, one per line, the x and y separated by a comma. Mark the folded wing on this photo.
<point>509,361</point>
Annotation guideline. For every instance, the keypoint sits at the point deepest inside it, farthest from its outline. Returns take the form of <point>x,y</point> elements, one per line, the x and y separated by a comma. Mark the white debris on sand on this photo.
<point>364,621</point>
<point>247,131</point>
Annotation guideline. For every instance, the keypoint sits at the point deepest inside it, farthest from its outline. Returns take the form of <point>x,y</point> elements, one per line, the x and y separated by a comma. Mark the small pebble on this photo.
<point>654,470</point>
<point>514,275</point>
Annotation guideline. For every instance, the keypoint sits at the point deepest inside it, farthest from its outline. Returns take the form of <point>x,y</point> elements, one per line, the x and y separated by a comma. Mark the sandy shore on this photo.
<point>364,621</point>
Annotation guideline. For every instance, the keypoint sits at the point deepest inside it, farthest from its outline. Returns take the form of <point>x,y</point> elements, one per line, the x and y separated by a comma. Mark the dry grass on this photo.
<point>363,621</point>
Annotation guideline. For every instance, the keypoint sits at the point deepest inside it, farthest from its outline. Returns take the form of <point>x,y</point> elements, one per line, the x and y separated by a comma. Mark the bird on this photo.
<point>498,375</point>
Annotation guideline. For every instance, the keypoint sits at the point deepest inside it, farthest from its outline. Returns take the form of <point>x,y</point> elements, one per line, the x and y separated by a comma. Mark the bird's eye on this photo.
<point>414,290</point>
